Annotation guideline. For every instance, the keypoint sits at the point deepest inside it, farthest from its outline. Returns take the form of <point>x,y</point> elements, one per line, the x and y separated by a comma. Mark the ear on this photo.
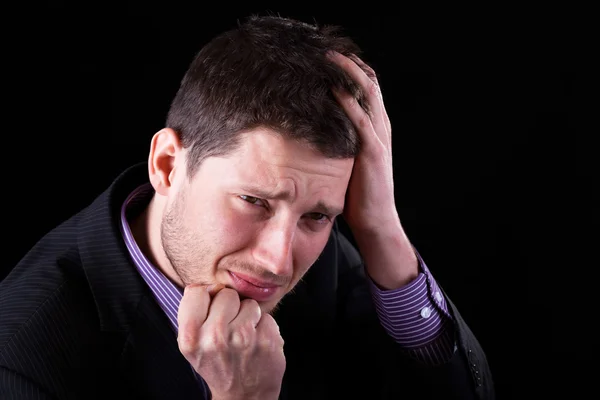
<point>165,150</point>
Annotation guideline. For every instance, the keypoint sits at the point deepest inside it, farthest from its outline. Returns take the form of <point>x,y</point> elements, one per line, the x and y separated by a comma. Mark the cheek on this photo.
<point>229,229</point>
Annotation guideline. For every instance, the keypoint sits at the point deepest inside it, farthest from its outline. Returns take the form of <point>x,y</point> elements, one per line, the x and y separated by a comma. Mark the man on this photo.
<point>217,269</point>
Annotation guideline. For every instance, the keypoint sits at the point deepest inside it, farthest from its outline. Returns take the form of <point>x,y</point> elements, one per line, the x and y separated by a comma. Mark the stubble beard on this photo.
<point>188,253</point>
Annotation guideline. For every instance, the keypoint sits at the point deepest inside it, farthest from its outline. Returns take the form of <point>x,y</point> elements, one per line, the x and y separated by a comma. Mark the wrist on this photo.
<point>378,231</point>
<point>390,259</point>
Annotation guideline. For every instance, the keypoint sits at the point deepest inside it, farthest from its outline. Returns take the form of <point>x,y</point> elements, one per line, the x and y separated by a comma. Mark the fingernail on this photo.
<point>214,288</point>
<point>211,288</point>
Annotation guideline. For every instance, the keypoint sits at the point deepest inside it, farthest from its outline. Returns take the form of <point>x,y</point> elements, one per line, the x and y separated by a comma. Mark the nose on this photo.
<point>273,248</point>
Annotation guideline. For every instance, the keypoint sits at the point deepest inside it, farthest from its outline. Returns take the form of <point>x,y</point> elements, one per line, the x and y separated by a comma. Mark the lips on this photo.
<point>253,288</point>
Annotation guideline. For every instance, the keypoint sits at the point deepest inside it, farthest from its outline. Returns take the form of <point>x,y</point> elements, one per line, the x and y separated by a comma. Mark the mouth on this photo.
<point>253,288</point>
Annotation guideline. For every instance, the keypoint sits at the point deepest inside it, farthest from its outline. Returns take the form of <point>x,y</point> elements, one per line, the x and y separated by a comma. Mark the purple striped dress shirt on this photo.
<point>416,315</point>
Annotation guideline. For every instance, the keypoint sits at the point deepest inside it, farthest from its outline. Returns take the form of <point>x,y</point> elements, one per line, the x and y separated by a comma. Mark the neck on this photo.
<point>145,229</point>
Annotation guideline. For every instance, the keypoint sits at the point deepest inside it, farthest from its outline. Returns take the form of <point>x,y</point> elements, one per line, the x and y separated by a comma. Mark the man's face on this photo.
<point>256,219</point>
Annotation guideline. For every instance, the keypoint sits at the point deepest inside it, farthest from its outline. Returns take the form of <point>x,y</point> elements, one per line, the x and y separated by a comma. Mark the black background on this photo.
<point>494,164</point>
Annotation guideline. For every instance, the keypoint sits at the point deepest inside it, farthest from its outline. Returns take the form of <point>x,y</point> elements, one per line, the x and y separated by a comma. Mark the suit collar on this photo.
<point>115,283</point>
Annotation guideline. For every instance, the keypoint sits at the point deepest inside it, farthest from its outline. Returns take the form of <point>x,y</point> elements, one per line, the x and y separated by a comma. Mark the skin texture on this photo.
<point>219,222</point>
<point>264,212</point>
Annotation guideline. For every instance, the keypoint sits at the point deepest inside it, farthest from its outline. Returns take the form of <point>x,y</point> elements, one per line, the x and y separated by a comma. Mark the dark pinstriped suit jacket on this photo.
<point>78,322</point>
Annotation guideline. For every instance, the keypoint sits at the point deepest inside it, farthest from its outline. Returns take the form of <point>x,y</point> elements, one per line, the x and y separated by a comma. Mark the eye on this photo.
<point>319,217</point>
<point>253,200</point>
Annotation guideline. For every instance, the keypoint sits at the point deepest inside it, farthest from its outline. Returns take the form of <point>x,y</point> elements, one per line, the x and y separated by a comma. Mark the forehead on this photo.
<point>270,166</point>
<point>266,151</point>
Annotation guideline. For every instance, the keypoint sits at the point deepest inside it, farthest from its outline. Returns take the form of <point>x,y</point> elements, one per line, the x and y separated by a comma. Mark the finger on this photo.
<point>249,313</point>
<point>371,90</point>
<point>191,315</point>
<point>214,289</point>
<point>243,327</point>
<point>267,333</point>
<point>373,76</point>
<point>359,118</point>
<point>365,69</point>
<point>224,307</point>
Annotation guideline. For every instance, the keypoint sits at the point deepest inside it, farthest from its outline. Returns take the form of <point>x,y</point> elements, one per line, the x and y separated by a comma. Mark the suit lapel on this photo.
<point>115,283</point>
<point>151,361</point>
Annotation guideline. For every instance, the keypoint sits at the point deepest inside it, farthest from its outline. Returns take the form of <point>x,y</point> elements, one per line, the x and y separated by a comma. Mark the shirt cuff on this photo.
<point>414,315</point>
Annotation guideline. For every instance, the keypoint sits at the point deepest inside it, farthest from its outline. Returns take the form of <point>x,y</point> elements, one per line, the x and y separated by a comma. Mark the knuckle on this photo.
<point>213,341</point>
<point>379,153</point>
<point>242,337</point>
<point>271,342</point>
<point>268,319</point>
<point>373,89</point>
<point>364,121</point>
<point>250,304</point>
<point>347,64</point>
<point>271,329</point>
<point>188,343</point>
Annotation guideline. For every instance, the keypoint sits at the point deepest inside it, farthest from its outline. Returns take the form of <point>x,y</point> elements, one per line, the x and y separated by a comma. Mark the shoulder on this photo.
<point>44,296</point>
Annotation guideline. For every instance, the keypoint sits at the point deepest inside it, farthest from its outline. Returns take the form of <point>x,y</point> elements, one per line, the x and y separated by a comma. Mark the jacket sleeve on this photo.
<point>14,386</point>
<point>369,355</point>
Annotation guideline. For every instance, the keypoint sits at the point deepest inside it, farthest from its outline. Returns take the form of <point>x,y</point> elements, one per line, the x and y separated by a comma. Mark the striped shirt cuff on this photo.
<point>416,316</point>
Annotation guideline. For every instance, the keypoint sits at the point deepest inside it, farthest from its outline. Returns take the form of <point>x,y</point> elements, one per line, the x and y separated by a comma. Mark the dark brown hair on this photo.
<point>269,72</point>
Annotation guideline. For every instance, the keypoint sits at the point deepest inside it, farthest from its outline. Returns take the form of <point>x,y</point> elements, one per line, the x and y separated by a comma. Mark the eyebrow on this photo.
<point>327,209</point>
<point>320,207</point>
